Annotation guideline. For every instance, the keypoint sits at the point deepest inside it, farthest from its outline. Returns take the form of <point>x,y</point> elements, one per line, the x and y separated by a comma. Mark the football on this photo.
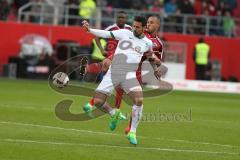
<point>60,79</point>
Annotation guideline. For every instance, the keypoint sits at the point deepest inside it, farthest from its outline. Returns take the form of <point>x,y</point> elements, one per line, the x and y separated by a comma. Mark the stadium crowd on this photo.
<point>171,9</point>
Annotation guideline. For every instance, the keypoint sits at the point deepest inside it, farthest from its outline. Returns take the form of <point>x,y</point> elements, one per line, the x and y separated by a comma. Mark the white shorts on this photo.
<point>110,82</point>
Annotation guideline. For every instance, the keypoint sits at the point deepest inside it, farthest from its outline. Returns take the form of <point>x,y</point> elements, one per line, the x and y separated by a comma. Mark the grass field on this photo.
<point>30,130</point>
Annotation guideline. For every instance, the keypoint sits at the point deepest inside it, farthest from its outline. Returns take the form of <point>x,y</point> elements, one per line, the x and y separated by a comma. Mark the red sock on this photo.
<point>128,128</point>
<point>118,97</point>
<point>94,68</point>
<point>91,102</point>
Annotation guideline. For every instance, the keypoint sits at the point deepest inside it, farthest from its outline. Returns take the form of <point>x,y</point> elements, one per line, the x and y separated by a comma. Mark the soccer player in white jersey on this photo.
<point>131,47</point>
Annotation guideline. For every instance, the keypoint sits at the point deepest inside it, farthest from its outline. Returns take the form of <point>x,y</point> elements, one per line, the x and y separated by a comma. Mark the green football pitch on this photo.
<point>192,125</point>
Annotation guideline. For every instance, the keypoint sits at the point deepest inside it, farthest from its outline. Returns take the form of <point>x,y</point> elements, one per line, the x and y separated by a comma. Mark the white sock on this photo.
<point>108,109</point>
<point>136,117</point>
<point>112,112</point>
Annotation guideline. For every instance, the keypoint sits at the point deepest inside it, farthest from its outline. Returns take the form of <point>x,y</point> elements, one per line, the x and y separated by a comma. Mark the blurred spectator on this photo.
<point>198,7</point>
<point>4,9</point>
<point>126,4</point>
<point>179,21</point>
<point>36,9</point>
<point>216,24</point>
<point>20,3</point>
<point>156,7</point>
<point>222,7</point>
<point>87,8</point>
<point>201,58</point>
<point>209,6</point>
<point>170,7</point>
<point>229,25</point>
<point>138,4</point>
<point>150,3</point>
<point>186,6</point>
<point>231,4</point>
<point>200,28</point>
<point>72,10</point>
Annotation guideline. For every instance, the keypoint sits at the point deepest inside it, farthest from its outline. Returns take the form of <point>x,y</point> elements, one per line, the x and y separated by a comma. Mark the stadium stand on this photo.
<point>188,16</point>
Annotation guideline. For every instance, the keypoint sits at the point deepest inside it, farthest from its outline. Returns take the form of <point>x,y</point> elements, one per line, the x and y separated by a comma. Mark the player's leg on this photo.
<point>104,89</point>
<point>99,100</point>
<point>137,108</point>
<point>118,97</point>
<point>106,63</point>
<point>139,78</point>
<point>134,91</point>
<point>94,68</point>
<point>119,91</point>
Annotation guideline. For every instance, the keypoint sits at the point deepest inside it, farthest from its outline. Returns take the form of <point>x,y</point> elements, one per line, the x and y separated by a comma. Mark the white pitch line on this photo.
<point>206,143</point>
<point>114,134</point>
<point>59,128</point>
<point>27,106</point>
<point>114,146</point>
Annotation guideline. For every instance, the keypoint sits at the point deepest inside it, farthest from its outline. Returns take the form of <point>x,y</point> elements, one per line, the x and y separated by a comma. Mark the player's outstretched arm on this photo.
<point>96,32</point>
<point>159,69</point>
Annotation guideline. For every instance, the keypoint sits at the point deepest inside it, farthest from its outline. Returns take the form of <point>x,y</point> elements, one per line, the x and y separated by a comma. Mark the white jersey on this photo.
<point>127,57</point>
<point>131,47</point>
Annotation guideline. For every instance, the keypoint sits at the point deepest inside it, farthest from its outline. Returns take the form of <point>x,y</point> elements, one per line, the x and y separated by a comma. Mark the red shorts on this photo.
<point>110,55</point>
<point>139,70</point>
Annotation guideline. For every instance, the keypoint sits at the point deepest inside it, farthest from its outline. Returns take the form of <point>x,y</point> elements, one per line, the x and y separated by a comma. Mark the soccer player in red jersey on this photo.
<point>111,45</point>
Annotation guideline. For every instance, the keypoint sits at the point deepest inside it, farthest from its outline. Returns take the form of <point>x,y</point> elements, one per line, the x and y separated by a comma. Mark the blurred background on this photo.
<point>38,35</point>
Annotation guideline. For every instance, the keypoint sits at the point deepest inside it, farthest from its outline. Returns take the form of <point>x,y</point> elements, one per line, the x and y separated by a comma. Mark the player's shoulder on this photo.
<point>126,26</point>
<point>125,31</point>
<point>112,27</point>
<point>147,40</point>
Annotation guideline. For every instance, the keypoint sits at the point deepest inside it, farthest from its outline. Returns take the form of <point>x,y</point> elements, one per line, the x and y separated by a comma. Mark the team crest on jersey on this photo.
<point>137,49</point>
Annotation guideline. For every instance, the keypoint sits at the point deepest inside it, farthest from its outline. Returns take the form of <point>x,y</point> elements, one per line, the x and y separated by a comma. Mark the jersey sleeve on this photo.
<point>109,28</point>
<point>119,34</point>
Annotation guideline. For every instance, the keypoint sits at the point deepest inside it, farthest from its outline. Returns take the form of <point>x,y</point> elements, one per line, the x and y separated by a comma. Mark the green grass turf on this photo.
<point>29,128</point>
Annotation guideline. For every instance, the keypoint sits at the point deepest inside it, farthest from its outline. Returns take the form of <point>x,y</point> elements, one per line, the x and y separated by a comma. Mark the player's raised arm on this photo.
<point>155,62</point>
<point>96,32</point>
<point>102,33</point>
<point>118,34</point>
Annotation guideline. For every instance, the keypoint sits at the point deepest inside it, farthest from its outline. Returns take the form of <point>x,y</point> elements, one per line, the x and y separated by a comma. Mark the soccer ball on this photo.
<point>60,79</point>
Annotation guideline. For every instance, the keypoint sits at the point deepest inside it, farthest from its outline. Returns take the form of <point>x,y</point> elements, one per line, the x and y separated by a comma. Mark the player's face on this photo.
<point>137,28</point>
<point>153,24</point>
<point>121,19</point>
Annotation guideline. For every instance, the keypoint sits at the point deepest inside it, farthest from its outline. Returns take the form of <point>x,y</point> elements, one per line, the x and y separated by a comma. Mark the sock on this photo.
<point>107,109</point>
<point>112,112</point>
<point>118,97</point>
<point>94,68</point>
<point>91,102</point>
<point>136,116</point>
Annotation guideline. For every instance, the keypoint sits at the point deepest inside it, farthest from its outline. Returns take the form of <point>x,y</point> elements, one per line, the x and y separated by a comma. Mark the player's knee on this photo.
<point>138,101</point>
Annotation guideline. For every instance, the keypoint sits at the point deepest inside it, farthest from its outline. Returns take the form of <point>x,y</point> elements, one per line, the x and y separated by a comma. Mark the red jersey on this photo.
<point>157,47</point>
<point>112,43</point>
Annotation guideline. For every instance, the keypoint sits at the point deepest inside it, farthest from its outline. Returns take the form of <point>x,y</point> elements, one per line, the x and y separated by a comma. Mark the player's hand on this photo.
<point>104,53</point>
<point>160,71</point>
<point>86,25</point>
